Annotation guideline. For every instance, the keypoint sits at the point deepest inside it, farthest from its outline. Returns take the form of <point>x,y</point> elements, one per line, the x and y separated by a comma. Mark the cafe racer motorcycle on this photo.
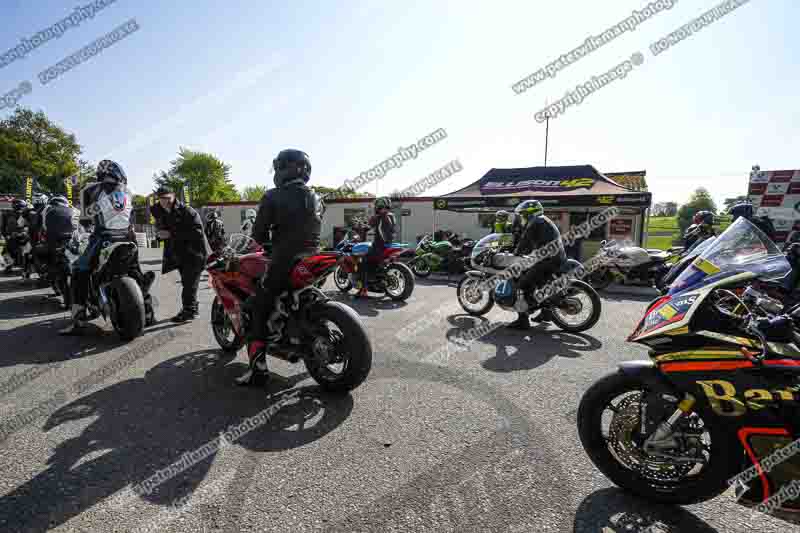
<point>717,395</point>
<point>327,336</point>
<point>573,308</point>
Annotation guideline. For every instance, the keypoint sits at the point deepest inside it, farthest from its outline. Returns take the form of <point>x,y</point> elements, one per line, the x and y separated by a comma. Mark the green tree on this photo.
<point>207,176</point>
<point>253,193</point>
<point>700,201</point>
<point>32,145</point>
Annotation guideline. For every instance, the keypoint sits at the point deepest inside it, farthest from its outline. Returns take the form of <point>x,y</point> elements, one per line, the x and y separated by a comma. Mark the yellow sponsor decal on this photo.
<point>706,267</point>
<point>605,199</point>
<point>667,311</point>
<point>700,354</point>
<point>577,182</point>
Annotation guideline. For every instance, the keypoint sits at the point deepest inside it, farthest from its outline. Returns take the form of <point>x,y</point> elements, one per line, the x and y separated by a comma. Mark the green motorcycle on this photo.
<point>440,256</point>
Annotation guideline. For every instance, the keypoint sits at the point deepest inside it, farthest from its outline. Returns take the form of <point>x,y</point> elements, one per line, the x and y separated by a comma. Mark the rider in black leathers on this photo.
<point>292,214</point>
<point>538,232</point>
<point>58,226</point>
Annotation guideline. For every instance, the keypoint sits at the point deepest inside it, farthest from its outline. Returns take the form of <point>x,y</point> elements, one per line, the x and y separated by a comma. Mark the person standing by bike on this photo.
<point>215,231</point>
<point>249,222</point>
<point>186,250</point>
<point>13,229</point>
<point>538,232</point>
<point>108,203</point>
<point>383,223</point>
<point>290,217</point>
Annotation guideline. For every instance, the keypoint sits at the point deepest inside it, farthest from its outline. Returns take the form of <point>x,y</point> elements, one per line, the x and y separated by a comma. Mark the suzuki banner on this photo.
<point>539,179</point>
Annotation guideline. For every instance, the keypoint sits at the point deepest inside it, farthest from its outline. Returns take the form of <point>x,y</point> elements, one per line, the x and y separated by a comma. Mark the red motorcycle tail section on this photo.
<point>389,253</point>
<point>309,269</point>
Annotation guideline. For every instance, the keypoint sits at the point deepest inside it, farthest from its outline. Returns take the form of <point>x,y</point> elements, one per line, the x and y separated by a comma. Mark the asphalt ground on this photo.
<point>479,439</point>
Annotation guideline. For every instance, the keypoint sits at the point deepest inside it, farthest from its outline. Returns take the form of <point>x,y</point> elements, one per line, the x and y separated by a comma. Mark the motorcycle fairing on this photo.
<point>108,251</point>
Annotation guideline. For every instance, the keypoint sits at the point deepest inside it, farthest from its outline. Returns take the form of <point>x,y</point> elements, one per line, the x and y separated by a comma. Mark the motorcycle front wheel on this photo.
<point>341,351</point>
<point>473,298</point>
<point>127,308</point>
<point>221,326</point>
<point>342,279</point>
<point>609,416</point>
<point>421,268</point>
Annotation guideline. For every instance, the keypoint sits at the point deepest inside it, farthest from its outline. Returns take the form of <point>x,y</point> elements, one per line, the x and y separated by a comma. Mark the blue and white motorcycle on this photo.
<point>571,304</point>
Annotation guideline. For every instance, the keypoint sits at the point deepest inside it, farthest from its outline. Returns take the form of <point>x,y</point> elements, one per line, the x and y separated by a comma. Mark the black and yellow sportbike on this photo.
<point>718,396</point>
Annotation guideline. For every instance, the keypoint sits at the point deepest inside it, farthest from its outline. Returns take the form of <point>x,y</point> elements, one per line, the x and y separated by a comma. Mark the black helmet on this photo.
<point>212,215</point>
<point>19,204</point>
<point>704,218</point>
<point>291,164</point>
<point>39,201</point>
<point>108,171</point>
<point>743,209</point>
<point>58,200</point>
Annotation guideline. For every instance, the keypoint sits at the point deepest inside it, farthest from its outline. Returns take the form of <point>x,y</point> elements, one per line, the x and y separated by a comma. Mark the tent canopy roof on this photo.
<point>577,185</point>
<point>556,175</point>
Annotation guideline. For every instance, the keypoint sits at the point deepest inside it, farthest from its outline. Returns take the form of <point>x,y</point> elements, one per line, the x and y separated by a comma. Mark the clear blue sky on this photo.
<point>350,82</point>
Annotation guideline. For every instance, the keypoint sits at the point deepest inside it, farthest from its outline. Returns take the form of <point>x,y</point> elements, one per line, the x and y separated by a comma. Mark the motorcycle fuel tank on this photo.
<point>632,256</point>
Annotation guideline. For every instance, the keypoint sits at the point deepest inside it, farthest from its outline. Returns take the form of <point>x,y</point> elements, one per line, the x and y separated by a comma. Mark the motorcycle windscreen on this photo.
<point>741,248</point>
<point>492,240</point>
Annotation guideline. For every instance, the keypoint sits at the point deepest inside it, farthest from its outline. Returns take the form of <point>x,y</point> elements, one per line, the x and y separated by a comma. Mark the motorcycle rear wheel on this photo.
<point>710,482</point>
<point>575,288</point>
<point>600,279</point>
<point>400,272</point>
<point>127,313</point>
<point>348,344</point>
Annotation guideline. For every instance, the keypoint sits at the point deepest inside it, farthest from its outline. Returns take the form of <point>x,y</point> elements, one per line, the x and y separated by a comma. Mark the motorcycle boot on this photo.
<point>78,323</point>
<point>523,322</point>
<point>257,374</point>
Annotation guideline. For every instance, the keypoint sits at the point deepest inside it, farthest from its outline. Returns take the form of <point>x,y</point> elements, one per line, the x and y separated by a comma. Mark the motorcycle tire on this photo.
<point>709,483</point>
<point>357,349</point>
<point>460,295</point>
<point>342,280</point>
<point>408,279</point>
<point>219,321</point>
<point>593,318</point>
<point>421,268</point>
<point>127,313</point>
<point>600,279</point>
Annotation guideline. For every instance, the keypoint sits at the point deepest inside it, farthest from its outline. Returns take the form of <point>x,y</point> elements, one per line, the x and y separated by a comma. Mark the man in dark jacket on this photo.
<point>538,232</point>
<point>292,213</point>
<point>186,248</point>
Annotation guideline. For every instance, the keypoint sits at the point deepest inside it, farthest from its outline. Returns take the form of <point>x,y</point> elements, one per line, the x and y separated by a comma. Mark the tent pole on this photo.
<point>546,136</point>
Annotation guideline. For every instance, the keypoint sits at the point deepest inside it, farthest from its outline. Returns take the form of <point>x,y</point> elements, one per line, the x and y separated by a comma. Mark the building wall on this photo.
<point>421,220</point>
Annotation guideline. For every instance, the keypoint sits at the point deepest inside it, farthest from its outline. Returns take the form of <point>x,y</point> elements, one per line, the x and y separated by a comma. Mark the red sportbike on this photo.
<point>327,336</point>
<point>391,276</point>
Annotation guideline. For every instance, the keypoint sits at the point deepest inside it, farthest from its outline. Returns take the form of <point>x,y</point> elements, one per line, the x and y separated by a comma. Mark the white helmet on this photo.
<point>250,213</point>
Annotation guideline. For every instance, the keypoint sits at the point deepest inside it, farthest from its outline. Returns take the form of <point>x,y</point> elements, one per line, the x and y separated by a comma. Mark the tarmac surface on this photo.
<point>482,439</point>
